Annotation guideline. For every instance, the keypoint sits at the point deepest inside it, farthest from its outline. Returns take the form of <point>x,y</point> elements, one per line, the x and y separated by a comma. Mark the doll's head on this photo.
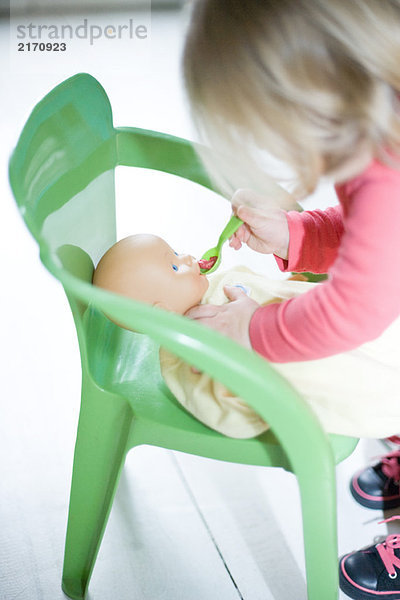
<point>145,268</point>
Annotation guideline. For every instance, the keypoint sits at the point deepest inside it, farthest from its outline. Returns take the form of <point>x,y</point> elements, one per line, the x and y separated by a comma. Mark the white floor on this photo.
<point>181,527</point>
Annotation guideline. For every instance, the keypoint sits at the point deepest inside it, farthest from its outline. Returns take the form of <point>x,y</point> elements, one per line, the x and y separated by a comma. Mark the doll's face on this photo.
<point>146,268</point>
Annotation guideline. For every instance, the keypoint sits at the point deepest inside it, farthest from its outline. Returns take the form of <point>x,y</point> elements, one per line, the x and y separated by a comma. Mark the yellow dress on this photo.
<point>355,393</point>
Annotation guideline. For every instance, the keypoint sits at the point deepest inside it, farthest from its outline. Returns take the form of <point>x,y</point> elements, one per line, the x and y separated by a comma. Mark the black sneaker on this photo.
<point>379,486</point>
<point>373,572</point>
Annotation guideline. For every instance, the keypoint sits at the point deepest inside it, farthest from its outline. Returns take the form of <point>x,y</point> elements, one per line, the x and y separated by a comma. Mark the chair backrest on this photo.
<point>62,170</point>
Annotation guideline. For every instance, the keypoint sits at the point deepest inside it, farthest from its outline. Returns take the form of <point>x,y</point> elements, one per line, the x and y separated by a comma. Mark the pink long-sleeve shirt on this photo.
<point>358,244</point>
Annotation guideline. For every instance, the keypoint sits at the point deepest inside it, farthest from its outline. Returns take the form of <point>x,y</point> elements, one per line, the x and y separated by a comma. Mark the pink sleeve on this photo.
<point>362,295</point>
<point>314,239</point>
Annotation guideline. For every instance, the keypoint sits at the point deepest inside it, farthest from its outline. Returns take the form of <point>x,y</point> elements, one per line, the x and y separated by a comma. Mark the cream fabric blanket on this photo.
<point>356,393</point>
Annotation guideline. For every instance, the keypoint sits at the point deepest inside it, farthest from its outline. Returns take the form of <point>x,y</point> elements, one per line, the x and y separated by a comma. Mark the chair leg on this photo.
<point>100,450</point>
<point>318,499</point>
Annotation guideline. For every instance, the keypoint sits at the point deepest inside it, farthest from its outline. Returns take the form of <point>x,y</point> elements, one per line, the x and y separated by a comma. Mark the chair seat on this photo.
<point>117,357</point>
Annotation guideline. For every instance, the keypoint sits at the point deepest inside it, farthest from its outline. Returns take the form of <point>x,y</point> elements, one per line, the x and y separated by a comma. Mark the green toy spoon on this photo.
<point>210,260</point>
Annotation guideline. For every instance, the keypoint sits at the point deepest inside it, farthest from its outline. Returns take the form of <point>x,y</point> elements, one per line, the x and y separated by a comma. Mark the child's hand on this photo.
<point>232,319</point>
<point>264,230</point>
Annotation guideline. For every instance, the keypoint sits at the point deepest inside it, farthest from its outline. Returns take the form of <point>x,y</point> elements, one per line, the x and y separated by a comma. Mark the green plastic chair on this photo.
<point>62,177</point>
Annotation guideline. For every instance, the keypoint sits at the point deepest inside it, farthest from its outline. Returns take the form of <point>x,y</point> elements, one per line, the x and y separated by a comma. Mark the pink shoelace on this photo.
<point>391,466</point>
<point>386,551</point>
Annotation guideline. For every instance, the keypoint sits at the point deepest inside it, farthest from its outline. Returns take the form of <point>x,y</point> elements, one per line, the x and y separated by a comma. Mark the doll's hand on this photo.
<point>232,319</point>
<point>264,230</point>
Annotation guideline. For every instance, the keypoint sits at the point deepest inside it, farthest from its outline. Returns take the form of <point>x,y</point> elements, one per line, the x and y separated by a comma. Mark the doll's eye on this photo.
<point>175,268</point>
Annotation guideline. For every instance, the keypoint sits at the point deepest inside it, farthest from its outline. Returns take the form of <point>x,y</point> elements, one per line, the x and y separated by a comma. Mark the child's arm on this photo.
<point>306,241</point>
<point>361,297</point>
<point>356,304</point>
<point>314,240</point>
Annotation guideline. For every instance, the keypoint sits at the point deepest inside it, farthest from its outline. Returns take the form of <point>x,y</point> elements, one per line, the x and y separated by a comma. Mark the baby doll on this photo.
<point>353,393</point>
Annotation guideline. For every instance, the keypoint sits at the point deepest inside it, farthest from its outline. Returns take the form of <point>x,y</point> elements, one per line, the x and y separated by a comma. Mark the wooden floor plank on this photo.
<point>242,521</point>
<point>156,545</point>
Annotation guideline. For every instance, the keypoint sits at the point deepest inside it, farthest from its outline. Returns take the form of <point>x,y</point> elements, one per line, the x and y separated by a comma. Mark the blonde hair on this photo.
<point>316,83</point>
